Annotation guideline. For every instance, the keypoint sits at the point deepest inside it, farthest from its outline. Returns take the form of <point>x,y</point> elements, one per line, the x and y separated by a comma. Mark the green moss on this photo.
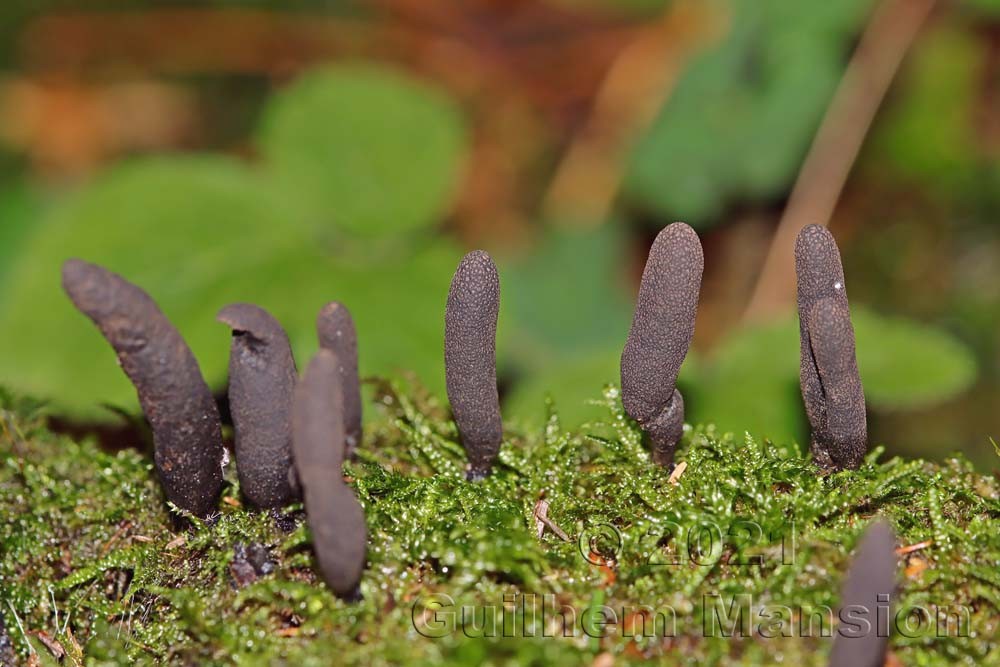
<point>91,560</point>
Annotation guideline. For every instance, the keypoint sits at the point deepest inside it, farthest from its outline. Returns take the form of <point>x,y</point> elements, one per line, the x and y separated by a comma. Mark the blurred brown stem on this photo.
<point>890,32</point>
<point>587,178</point>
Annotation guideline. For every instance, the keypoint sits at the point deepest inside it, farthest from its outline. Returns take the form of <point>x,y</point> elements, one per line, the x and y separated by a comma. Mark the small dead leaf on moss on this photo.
<point>603,660</point>
<point>542,521</point>
<point>125,525</point>
<point>915,566</point>
<point>675,476</point>
<point>541,508</point>
<point>902,551</point>
<point>53,645</point>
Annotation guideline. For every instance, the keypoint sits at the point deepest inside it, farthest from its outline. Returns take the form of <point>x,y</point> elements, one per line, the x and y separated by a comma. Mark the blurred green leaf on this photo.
<point>989,7</point>
<point>365,149</point>
<point>639,8</point>
<point>396,300</point>
<point>751,384</point>
<point>569,295</point>
<point>752,381</point>
<point>566,322</point>
<point>742,117</point>
<point>20,207</point>
<point>574,383</point>
<point>398,308</point>
<point>198,233</point>
<point>923,137</point>
<point>185,229</point>
<point>905,364</point>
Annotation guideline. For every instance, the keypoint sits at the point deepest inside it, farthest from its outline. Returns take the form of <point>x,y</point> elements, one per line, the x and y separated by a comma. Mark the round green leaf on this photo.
<point>366,149</point>
<point>742,116</point>
<point>19,210</point>
<point>574,383</point>
<point>751,384</point>
<point>191,231</point>
<point>398,308</point>
<point>905,364</point>
<point>396,301</point>
<point>567,299</point>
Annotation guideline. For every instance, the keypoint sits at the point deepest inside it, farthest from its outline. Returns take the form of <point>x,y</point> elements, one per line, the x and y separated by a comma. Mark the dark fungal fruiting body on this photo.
<point>868,588</point>
<point>660,336</point>
<point>187,433</point>
<point>470,359</point>
<point>831,338</point>
<point>335,517</point>
<point>828,370</point>
<point>335,329</point>
<point>262,380</point>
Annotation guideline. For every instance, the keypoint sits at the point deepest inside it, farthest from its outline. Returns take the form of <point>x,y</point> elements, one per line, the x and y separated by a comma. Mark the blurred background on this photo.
<point>290,153</point>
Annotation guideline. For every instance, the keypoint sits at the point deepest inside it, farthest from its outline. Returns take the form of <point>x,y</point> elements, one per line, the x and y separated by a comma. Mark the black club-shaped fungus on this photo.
<point>335,516</point>
<point>262,378</point>
<point>660,336</point>
<point>187,433</point>
<point>470,359</point>
<point>828,371</point>
<point>335,328</point>
<point>869,587</point>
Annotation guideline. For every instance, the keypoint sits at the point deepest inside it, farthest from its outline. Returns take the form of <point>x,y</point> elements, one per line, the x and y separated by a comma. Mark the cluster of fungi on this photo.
<point>293,434</point>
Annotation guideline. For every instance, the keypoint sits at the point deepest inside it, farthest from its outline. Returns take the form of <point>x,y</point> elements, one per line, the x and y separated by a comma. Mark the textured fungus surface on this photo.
<point>869,586</point>
<point>831,338</point>
<point>660,336</point>
<point>470,359</point>
<point>335,517</point>
<point>335,328</point>
<point>187,433</point>
<point>262,379</point>
<point>828,372</point>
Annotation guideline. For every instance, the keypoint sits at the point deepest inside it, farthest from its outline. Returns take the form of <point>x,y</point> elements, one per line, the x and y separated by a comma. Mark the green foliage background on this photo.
<point>347,187</point>
<point>345,182</point>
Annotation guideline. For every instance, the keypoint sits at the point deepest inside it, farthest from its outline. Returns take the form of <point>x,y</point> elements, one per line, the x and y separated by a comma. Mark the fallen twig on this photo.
<point>890,32</point>
<point>901,551</point>
<point>675,476</point>
<point>542,521</point>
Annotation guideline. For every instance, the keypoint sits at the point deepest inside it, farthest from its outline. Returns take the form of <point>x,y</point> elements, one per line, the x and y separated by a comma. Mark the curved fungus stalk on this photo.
<point>869,587</point>
<point>335,516</point>
<point>470,360</point>
<point>187,433</point>
<point>660,336</point>
<point>335,328</point>
<point>828,370</point>
<point>262,377</point>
